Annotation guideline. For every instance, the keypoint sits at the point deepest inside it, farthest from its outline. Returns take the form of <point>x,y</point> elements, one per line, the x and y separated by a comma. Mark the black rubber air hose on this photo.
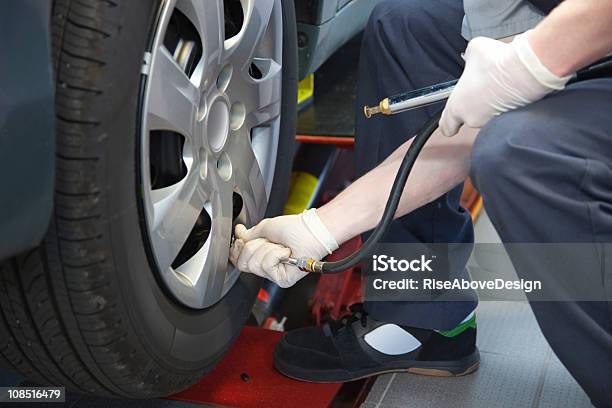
<point>395,195</point>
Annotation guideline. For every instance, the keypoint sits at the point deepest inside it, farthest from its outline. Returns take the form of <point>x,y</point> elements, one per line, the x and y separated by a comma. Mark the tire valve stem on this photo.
<point>306,264</point>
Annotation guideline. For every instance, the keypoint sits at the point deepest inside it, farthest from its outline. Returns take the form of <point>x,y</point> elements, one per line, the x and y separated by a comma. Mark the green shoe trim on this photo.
<point>460,328</point>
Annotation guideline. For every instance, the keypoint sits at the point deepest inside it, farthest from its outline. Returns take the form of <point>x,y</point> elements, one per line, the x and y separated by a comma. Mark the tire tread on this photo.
<point>61,318</point>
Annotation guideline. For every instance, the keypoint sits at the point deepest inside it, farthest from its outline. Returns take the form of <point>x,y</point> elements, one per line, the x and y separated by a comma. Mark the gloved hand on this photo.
<point>261,249</point>
<point>498,77</point>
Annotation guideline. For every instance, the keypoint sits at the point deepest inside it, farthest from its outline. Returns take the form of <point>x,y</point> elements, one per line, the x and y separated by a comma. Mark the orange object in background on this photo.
<point>471,199</point>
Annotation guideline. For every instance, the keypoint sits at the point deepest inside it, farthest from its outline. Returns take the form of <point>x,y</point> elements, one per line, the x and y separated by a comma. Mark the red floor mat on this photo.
<point>252,355</point>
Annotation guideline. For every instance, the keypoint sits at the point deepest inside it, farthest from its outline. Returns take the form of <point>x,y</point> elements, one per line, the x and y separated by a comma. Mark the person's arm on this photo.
<point>536,63</point>
<point>574,35</point>
<point>442,165</point>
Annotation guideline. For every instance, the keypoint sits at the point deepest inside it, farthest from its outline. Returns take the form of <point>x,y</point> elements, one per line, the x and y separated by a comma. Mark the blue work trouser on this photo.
<point>409,44</point>
<point>545,172</point>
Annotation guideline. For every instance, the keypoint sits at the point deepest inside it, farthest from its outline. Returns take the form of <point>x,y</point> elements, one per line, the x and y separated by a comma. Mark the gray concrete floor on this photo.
<point>517,369</point>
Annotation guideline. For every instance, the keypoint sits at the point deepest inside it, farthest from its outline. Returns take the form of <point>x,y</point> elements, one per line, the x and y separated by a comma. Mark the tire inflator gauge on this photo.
<point>412,99</point>
<point>401,103</point>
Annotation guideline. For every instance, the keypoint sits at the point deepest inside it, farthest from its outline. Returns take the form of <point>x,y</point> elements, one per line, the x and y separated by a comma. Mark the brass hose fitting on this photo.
<point>383,107</point>
<point>306,264</point>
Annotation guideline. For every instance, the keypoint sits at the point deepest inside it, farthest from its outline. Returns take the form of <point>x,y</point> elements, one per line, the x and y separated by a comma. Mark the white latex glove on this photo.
<point>261,249</point>
<point>498,77</point>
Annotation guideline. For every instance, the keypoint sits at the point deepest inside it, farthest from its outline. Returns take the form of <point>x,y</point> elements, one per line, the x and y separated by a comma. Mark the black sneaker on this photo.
<point>356,347</point>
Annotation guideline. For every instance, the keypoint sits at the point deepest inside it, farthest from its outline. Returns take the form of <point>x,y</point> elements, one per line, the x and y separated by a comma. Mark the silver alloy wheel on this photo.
<point>228,120</point>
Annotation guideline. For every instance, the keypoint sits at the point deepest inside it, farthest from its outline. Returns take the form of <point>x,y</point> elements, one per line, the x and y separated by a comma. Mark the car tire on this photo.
<point>86,309</point>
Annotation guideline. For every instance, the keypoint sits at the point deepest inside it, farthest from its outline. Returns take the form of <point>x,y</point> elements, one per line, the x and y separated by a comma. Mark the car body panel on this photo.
<point>326,25</point>
<point>27,135</point>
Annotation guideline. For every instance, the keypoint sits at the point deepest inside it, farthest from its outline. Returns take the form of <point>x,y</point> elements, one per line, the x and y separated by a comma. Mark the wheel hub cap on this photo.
<point>218,125</point>
<point>209,138</point>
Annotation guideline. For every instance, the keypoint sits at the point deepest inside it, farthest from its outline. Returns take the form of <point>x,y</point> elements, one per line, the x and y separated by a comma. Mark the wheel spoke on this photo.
<point>176,210</point>
<point>257,17</point>
<point>248,176</point>
<point>211,280</point>
<point>208,18</point>
<point>173,99</point>
<point>262,97</point>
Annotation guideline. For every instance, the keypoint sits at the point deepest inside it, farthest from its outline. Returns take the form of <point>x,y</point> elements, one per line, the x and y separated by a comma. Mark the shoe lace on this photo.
<point>357,314</point>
